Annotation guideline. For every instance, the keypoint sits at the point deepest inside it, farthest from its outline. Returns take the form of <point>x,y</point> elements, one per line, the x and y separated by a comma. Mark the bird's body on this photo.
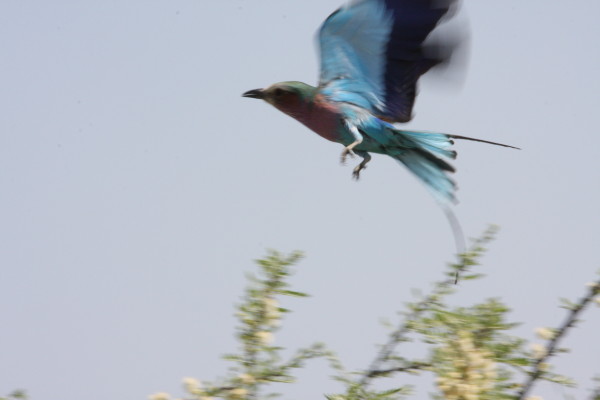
<point>314,111</point>
<point>372,55</point>
<point>339,121</point>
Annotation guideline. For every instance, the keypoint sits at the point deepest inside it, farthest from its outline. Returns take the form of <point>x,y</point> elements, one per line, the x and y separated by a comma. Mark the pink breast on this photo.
<point>322,117</point>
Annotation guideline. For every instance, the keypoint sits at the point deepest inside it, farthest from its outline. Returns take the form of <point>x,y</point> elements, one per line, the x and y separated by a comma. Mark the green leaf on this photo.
<point>292,293</point>
<point>471,277</point>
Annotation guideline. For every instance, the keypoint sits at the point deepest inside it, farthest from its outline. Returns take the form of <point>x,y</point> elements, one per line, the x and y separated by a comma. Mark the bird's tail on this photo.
<point>481,141</point>
<point>422,153</point>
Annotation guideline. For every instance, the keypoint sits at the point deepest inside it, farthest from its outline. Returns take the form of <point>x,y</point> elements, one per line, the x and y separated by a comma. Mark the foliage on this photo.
<point>471,353</point>
<point>258,362</point>
<point>16,395</point>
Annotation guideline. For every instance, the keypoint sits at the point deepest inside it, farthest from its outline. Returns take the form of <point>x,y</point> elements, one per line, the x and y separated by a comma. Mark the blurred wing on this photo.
<point>372,53</point>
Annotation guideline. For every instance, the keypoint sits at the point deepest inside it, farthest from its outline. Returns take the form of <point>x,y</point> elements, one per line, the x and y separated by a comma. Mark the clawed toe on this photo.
<point>356,171</point>
<point>366,158</point>
<point>347,152</point>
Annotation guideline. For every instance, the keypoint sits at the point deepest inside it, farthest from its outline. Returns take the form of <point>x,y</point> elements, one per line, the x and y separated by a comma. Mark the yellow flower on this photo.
<point>264,337</point>
<point>160,396</point>
<point>544,333</point>
<point>538,350</point>
<point>192,385</point>
<point>476,358</point>
<point>238,393</point>
<point>490,371</point>
<point>247,379</point>
<point>271,305</point>
<point>466,344</point>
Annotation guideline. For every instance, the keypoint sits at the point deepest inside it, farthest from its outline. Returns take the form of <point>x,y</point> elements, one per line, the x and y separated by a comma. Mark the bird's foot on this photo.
<point>347,152</point>
<point>356,171</point>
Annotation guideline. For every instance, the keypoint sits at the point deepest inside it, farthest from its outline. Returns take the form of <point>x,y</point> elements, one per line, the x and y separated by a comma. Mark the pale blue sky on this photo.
<point>137,186</point>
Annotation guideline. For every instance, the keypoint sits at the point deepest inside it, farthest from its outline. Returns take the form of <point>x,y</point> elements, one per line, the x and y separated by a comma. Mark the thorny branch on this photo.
<point>399,334</point>
<point>551,348</point>
<point>467,259</point>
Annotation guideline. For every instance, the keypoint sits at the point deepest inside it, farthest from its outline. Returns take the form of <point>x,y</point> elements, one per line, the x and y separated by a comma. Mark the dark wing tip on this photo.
<point>410,53</point>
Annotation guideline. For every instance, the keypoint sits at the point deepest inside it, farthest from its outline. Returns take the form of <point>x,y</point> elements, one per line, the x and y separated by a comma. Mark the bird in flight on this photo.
<point>372,55</point>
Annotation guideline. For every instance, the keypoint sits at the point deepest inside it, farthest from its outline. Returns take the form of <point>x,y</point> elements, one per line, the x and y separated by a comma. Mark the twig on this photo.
<point>412,367</point>
<point>399,334</point>
<point>571,319</point>
<point>467,259</point>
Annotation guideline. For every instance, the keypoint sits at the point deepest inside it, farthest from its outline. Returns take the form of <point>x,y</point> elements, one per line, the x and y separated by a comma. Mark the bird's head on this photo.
<point>289,97</point>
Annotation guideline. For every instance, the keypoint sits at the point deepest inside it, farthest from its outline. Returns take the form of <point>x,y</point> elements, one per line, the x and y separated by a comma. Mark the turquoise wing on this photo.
<point>373,53</point>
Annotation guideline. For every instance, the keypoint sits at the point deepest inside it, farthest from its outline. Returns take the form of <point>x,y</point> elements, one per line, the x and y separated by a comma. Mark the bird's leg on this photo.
<point>358,138</point>
<point>363,164</point>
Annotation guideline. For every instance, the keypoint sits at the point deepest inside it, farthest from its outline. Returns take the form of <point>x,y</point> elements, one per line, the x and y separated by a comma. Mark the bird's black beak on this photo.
<point>255,94</point>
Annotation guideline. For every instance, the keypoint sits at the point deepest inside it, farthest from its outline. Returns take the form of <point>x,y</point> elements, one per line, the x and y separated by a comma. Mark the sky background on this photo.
<point>137,186</point>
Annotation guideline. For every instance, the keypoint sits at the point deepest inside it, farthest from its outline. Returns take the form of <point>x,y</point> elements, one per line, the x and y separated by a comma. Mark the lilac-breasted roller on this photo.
<point>372,55</point>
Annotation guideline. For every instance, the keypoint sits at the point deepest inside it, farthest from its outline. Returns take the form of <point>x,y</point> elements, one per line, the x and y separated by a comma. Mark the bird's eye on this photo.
<point>278,92</point>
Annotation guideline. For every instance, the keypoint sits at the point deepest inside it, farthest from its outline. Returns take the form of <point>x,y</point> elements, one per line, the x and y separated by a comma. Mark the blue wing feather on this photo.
<point>353,43</point>
<point>372,53</point>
